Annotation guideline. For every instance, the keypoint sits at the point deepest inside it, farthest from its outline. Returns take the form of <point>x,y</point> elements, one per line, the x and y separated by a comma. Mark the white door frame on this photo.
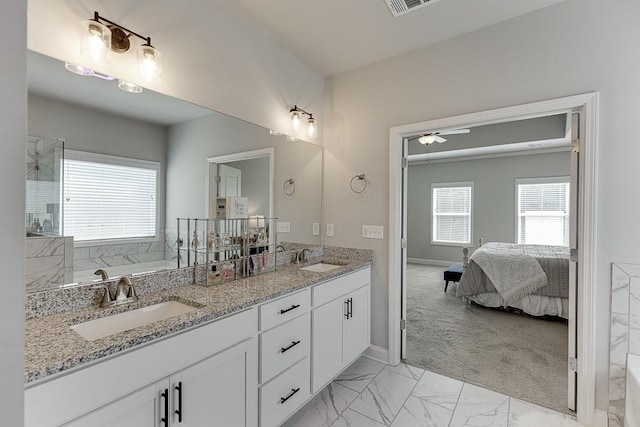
<point>586,322</point>
<point>235,157</point>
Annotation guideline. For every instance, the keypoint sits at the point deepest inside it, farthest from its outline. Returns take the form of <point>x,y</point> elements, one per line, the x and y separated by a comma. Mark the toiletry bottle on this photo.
<point>213,275</point>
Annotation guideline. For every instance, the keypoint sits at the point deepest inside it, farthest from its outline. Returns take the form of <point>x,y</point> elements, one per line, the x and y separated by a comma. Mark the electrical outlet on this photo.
<point>373,231</point>
<point>329,230</point>
<point>283,227</point>
<point>316,228</point>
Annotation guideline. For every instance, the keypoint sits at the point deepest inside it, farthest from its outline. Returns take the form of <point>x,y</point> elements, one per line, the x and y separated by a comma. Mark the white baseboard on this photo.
<point>433,262</point>
<point>600,419</point>
<point>377,353</point>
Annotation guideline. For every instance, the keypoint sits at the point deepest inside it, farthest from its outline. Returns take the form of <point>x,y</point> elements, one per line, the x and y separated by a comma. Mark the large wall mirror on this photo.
<point>88,140</point>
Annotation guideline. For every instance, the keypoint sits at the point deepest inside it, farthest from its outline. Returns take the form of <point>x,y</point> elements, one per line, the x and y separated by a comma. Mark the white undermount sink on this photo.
<point>320,267</point>
<point>109,325</point>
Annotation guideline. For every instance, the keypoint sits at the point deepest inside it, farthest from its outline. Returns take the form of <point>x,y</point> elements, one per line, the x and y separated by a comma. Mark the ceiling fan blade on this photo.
<point>454,132</point>
<point>440,140</point>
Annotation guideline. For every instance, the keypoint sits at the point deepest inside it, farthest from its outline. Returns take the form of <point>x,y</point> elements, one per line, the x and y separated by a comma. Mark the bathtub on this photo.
<point>632,399</point>
<point>129,269</point>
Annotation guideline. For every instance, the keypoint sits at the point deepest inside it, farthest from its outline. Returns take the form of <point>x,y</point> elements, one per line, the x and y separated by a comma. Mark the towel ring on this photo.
<point>359,177</point>
<point>289,187</point>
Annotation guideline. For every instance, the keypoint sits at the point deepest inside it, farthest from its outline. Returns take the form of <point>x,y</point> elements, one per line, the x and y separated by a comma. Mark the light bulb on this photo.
<point>149,66</point>
<point>129,87</point>
<point>311,129</point>
<point>96,42</point>
<point>295,119</point>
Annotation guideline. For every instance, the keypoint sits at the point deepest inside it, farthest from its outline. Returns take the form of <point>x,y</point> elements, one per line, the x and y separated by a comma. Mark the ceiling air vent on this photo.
<point>401,7</point>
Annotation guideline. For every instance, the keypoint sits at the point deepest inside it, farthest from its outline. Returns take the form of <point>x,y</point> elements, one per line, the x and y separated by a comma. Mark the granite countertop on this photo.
<point>51,346</point>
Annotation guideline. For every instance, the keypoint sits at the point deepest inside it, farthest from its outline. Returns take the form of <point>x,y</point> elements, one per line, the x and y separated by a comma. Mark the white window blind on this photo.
<point>451,213</point>
<point>109,197</point>
<point>543,211</point>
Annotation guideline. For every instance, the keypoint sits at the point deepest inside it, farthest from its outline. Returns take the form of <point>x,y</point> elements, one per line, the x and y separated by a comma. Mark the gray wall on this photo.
<point>90,130</point>
<point>494,198</point>
<point>572,47</point>
<point>13,114</point>
<point>255,183</point>
<point>192,142</point>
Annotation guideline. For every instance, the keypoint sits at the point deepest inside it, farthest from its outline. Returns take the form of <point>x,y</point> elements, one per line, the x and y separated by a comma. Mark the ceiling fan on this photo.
<point>430,138</point>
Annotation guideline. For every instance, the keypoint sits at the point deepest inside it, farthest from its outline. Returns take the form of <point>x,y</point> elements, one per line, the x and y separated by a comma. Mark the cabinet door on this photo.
<point>144,407</point>
<point>327,342</point>
<point>357,326</point>
<point>214,392</point>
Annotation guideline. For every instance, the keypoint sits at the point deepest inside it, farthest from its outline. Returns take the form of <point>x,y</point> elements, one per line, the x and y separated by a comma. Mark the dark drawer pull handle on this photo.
<point>293,344</point>
<point>165,396</point>
<point>179,410</point>
<point>290,395</point>
<point>293,307</point>
<point>346,314</point>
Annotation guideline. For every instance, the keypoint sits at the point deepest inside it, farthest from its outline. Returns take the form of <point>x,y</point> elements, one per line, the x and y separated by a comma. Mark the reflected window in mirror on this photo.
<point>109,197</point>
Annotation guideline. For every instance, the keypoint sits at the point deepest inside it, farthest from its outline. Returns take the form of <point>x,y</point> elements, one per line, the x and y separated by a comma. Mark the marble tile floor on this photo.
<point>370,393</point>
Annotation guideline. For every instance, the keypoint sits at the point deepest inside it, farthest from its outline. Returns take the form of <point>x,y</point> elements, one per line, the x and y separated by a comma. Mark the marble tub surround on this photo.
<point>625,334</point>
<point>110,255</point>
<point>49,262</point>
<point>53,347</point>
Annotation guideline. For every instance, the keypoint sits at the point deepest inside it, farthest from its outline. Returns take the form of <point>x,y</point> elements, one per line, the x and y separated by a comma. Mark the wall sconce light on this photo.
<point>296,114</point>
<point>101,36</point>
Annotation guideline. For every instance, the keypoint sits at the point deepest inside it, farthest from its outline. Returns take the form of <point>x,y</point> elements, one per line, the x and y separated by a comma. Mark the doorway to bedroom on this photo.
<point>498,317</point>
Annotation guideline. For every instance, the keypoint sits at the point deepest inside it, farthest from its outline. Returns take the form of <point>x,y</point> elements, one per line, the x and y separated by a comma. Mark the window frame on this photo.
<point>434,186</point>
<point>87,156</point>
<point>539,180</point>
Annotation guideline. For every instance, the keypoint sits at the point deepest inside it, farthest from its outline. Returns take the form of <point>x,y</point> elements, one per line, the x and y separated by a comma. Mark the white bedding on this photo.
<point>535,305</point>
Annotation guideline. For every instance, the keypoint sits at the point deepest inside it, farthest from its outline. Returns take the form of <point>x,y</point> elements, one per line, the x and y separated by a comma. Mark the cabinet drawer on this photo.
<point>279,311</point>
<point>281,347</point>
<point>336,288</point>
<point>284,394</point>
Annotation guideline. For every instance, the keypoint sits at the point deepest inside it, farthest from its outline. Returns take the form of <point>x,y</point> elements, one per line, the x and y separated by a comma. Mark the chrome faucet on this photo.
<point>125,292</point>
<point>103,274</point>
<point>302,255</point>
<point>280,248</point>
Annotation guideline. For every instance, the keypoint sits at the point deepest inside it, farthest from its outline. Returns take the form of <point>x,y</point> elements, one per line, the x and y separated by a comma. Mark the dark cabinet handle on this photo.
<point>290,395</point>
<point>165,396</point>
<point>179,410</point>
<point>293,307</point>
<point>293,344</point>
<point>346,303</point>
<point>350,308</point>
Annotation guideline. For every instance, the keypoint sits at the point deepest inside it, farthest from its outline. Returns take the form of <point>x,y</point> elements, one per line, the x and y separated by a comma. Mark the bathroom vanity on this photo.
<point>251,353</point>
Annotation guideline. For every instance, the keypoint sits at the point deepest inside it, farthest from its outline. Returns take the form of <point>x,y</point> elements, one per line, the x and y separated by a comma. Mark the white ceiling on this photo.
<point>334,36</point>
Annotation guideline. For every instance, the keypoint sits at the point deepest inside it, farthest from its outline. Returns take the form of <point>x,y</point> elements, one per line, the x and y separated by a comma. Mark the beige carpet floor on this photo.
<point>518,355</point>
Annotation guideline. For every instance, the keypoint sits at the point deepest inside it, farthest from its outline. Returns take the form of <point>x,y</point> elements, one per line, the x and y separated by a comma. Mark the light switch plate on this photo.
<point>373,231</point>
<point>329,230</point>
<point>284,227</point>
<point>316,228</point>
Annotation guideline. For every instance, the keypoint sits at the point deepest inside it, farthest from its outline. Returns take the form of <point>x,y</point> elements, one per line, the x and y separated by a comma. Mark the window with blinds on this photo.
<point>543,211</point>
<point>451,211</point>
<point>106,197</point>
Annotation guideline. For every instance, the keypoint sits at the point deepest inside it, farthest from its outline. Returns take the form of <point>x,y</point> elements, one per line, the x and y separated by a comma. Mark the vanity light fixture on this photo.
<point>296,114</point>
<point>102,36</point>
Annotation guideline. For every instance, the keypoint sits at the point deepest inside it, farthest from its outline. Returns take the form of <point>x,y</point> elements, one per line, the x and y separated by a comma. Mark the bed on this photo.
<point>531,278</point>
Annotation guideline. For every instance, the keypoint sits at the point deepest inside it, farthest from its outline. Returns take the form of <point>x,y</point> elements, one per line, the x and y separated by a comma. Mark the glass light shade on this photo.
<point>129,87</point>
<point>78,69</point>
<point>295,119</point>
<point>96,42</point>
<point>427,139</point>
<point>149,66</point>
<point>312,129</point>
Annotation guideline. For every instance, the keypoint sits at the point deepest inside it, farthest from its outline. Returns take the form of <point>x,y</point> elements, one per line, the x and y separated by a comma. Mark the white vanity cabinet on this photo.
<point>285,342</point>
<point>203,376</point>
<point>340,325</point>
